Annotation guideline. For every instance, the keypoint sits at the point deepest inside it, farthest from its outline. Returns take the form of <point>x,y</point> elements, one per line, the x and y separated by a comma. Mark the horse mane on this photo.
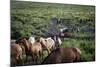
<point>18,40</point>
<point>56,50</point>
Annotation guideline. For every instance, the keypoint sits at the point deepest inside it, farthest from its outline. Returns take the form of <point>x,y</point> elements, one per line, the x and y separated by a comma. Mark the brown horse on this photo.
<point>16,52</point>
<point>23,42</point>
<point>63,55</point>
<point>35,49</point>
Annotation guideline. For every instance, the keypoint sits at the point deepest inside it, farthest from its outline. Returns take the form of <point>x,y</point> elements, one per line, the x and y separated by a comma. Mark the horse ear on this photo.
<point>17,41</point>
<point>40,39</point>
<point>26,38</point>
<point>37,39</point>
<point>46,40</point>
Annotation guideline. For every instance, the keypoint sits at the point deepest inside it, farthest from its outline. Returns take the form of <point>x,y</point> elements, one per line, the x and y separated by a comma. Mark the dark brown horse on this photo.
<point>63,55</point>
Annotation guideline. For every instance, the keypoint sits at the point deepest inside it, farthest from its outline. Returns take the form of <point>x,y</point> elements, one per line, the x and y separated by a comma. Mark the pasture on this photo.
<point>28,18</point>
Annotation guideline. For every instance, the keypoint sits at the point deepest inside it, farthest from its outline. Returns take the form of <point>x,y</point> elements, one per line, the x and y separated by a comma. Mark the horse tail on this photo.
<point>78,50</point>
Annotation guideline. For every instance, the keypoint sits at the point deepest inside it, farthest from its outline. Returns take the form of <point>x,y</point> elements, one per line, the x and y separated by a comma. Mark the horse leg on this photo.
<point>41,56</point>
<point>34,59</point>
<point>48,51</point>
<point>37,58</point>
<point>17,59</point>
<point>20,60</point>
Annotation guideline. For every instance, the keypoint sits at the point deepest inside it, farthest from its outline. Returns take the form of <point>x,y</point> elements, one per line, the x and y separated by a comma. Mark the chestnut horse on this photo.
<point>16,52</point>
<point>35,49</point>
<point>63,55</point>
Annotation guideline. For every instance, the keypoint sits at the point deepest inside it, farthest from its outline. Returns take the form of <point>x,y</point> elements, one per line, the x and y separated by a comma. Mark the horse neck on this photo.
<point>51,56</point>
<point>42,42</point>
<point>26,45</point>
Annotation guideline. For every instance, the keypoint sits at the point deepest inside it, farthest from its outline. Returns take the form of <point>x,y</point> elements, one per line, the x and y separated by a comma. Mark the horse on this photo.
<point>65,33</point>
<point>31,39</point>
<point>63,55</point>
<point>34,50</point>
<point>21,42</point>
<point>48,44</point>
<point>58,41</point>
<point>16,52</point>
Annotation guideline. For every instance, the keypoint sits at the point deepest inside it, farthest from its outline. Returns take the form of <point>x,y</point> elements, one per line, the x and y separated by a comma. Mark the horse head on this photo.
<point>23,42</point>
<point>43,42</point>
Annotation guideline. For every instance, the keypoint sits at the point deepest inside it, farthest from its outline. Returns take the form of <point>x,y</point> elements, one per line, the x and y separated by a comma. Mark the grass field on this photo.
<point>28,17</point>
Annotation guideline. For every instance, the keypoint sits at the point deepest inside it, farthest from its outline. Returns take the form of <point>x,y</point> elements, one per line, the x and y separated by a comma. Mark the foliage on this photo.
<point>28,17</point>
<point>32,17</point>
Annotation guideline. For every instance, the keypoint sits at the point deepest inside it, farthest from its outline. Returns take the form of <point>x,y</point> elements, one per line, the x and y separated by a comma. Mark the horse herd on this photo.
<point>34,47</point>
